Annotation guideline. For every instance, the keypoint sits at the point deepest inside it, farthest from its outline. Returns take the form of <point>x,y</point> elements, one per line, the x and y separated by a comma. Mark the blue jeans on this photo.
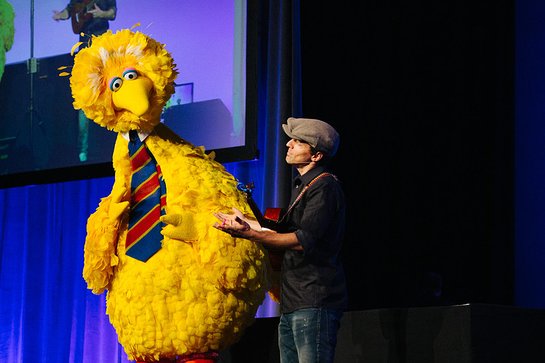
<point>308,335</point>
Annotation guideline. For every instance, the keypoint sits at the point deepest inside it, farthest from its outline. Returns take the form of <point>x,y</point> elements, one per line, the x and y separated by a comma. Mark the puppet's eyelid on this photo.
<point>115,83</point>
<point>130,74</point>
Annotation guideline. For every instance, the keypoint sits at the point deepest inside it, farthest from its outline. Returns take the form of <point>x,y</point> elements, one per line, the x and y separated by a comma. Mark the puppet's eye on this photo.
<point>130,74</point>
<point>115,84</point>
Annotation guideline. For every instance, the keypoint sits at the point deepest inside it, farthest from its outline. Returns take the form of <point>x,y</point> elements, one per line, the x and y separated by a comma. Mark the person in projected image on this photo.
<point>89,18</point>
<point>313,293</point>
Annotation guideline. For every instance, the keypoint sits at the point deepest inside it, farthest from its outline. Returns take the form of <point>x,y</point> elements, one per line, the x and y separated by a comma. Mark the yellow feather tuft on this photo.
<point>74,47</point>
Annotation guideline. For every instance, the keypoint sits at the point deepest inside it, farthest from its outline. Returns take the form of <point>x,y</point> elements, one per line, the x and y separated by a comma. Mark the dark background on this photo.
<point>422,95</point>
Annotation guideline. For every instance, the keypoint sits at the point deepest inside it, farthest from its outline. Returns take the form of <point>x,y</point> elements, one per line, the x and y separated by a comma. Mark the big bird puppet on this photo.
<point>189,291</point>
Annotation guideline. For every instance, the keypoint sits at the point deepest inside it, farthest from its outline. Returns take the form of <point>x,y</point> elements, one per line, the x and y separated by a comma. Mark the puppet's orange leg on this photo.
<point>209,357</point>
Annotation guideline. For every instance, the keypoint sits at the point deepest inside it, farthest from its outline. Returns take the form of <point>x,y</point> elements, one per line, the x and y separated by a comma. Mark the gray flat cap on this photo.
<point>318,134</point>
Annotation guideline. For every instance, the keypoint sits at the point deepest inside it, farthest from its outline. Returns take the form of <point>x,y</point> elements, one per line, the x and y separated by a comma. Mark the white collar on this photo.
<point>141,135</point>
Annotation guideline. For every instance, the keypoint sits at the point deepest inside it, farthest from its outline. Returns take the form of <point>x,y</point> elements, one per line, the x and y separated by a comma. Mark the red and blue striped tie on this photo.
<point>148,201</point>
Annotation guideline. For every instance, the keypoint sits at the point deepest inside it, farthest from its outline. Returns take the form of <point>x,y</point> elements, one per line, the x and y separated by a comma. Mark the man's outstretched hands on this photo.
<point>234,224</point>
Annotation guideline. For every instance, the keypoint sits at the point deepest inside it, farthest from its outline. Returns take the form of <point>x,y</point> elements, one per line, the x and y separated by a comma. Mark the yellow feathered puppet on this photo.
<point>194,296</point>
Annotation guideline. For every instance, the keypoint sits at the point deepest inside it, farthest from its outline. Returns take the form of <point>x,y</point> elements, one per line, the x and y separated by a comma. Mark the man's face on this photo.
<point>299,153</point>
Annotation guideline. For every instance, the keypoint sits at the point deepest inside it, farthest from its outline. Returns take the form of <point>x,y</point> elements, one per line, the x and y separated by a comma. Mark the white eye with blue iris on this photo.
<point>129,74</point>
<point>115,84</point>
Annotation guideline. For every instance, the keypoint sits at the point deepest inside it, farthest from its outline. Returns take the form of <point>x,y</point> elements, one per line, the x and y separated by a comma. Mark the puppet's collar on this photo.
<point>141,135</point>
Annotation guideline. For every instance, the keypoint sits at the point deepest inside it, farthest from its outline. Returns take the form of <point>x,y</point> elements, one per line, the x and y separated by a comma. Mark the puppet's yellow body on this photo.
<point>203,287</point>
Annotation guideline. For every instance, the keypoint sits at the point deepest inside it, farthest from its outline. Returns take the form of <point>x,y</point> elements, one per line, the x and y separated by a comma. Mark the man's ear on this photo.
<point>318,155</point>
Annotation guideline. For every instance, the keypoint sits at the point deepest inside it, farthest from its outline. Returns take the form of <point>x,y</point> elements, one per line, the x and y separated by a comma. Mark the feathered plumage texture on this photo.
<point>109,55</point>
<point>203,288</point>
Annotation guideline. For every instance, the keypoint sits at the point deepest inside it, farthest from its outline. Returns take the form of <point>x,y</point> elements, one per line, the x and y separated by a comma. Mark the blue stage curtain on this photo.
<point>47,314</point>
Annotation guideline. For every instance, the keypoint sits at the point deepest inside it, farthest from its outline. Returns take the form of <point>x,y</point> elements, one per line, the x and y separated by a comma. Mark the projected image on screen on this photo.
<point>39,128</point>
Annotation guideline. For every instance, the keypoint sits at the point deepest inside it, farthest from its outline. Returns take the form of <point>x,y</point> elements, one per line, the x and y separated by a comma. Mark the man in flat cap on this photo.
<point>310,232</point>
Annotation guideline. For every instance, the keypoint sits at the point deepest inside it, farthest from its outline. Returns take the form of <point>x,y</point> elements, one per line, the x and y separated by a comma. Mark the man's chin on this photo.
<point>297,164</point>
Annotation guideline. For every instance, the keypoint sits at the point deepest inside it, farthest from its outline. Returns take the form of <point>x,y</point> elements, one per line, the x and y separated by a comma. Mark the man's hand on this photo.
<point>96,12</point>
<point>232,224</point>
<point>60,15</point>
<point>103,14</point>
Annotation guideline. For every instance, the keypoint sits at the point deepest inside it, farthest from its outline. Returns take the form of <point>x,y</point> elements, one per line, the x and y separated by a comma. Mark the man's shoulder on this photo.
<point>327,183</point>
<point>327,177</point>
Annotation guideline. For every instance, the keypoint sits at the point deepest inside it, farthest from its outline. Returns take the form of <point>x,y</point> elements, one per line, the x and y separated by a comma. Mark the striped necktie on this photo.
<point>148,200</point>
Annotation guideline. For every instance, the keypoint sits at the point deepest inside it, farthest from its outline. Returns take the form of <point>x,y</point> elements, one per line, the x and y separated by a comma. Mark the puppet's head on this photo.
<point>122,80</point>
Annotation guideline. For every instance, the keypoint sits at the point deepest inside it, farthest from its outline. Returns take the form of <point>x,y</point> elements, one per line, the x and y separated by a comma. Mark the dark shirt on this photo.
<point>94,26</point>
<point>314,277</point>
